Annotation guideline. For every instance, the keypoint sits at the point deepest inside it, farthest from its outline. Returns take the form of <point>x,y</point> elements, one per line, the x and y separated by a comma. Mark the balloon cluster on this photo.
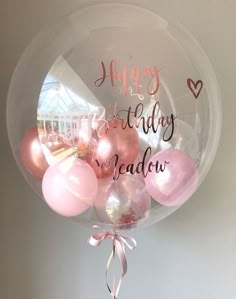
<point>109,173</point>
<point>128,116</point>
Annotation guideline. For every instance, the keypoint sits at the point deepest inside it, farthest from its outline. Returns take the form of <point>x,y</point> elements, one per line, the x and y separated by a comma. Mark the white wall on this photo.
<point>190,255</point>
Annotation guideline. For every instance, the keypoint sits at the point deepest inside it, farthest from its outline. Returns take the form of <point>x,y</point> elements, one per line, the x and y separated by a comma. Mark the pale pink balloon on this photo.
<point>177,182</point>
<point>69,186</point>
<point>117,140</point>
<point>32,155</point>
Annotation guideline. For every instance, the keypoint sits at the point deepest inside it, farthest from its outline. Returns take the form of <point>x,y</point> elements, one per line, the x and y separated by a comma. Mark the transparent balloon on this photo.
<point>131,99</point>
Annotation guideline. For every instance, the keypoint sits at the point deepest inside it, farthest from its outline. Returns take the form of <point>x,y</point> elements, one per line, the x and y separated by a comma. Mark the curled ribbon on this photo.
<point>118,247</point>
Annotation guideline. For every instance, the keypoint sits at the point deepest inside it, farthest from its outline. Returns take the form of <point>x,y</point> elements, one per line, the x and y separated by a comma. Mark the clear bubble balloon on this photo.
<point>120,92</point>
<point>122,202</point>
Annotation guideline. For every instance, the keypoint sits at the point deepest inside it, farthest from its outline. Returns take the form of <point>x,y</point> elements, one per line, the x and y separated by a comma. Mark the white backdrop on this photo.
<point>190,255</point>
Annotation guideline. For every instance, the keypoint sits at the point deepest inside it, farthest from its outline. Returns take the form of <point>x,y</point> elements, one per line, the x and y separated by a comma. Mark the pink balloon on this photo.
<point>69,187</point>
<point>123,142</point>
<point>32,155</point>
<point>177,182</point>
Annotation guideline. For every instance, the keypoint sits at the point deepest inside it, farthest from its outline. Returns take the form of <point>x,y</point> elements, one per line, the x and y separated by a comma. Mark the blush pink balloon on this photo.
<point>177,182</point>
<point>32,155</point>
<point>117,140</point>
<point>69,187</point>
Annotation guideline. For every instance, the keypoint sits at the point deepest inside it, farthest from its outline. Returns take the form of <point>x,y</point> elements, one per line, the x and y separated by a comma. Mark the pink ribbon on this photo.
<point>119,243</point>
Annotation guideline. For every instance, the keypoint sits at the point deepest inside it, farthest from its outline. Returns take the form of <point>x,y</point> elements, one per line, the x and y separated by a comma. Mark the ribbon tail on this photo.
<point>110,259</point>
<point>120,250</point>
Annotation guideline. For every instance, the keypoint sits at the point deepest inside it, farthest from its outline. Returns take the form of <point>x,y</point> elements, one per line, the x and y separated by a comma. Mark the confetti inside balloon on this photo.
<point>122,202</point>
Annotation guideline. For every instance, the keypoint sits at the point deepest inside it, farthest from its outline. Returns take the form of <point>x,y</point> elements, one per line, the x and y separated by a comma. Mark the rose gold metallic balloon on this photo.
<point>120,141</point>
<point>32,155</point>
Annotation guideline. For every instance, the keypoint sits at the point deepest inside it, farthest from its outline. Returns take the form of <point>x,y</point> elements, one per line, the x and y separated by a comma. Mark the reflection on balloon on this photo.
<point>176,183</point>
<point>122,202</point>
<point>32,155</point>
<point>69,187</point>
<point>54,146</point>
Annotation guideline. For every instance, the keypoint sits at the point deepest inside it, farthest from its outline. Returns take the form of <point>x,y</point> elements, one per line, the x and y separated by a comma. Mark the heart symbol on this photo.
<point>195,87</point>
